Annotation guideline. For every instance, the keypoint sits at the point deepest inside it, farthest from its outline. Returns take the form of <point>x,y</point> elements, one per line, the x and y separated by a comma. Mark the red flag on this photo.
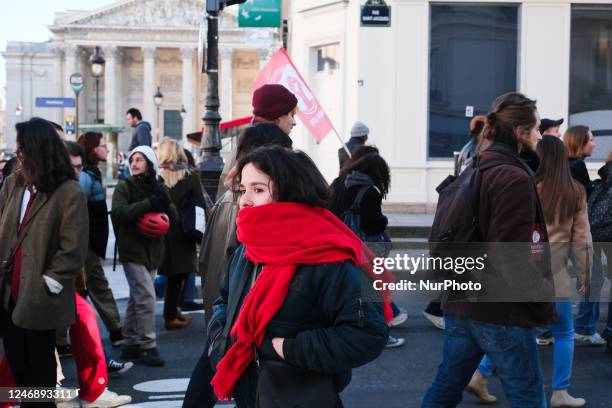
<point>280,70</point>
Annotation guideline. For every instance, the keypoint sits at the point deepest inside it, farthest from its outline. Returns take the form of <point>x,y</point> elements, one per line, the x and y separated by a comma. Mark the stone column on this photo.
<point>188,100</point>
<point>71,57</point>
<point>149,88</point>
<point>226,91</point>
<point>58,80</point>
<point>110,85</point>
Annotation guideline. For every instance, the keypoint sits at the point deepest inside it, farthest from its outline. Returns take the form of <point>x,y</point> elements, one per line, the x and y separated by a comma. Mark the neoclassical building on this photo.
<point>146,44</point>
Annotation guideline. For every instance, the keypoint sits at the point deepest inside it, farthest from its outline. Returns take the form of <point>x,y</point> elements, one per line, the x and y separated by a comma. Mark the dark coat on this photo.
<point>180,250</point>
<point>55,245</point>
<point>97,209</point>
<point>581,174</point>
<point>509,208</point>
<point>353,144</point>
<point>343,193</point>
<point>326,326</point>
<point>141,136</point>
<point>130,202</point>
<point>218,243</point>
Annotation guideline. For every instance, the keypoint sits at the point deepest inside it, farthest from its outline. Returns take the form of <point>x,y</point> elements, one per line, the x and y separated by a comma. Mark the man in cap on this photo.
<point>275,103</point>
<point>359,137</point>
<point>550,127</point>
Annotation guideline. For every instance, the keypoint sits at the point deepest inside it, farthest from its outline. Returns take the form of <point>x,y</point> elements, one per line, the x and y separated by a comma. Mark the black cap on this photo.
<point>546,124</point>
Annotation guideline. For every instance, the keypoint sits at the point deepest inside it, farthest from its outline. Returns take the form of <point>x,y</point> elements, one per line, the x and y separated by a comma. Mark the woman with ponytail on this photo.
<point>291,310</point>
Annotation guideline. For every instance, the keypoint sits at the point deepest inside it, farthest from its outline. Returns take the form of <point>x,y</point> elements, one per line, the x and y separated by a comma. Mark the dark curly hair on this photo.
<point>375,167</point>
<point>43,156</point>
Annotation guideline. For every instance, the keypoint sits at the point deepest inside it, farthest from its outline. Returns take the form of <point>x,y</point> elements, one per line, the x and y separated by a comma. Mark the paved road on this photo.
<point>397,379</point>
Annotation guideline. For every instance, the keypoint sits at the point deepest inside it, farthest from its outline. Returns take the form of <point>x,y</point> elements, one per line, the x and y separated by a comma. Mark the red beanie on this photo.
<point>272,101</point>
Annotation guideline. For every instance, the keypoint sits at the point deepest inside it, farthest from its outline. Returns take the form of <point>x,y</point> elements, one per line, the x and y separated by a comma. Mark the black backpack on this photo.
<point>456,218</point>
<point>600,212</point>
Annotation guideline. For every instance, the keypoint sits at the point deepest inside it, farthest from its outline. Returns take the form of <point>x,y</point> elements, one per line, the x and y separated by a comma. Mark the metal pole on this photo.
<point>97,101</point>
<point>211,164</point>
<point>76,120</point>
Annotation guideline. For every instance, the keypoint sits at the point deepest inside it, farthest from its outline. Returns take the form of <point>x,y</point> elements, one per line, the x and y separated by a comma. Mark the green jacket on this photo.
<point>130,202</point>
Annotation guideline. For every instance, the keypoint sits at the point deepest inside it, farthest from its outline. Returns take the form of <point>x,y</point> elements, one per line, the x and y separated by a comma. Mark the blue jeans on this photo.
<point>588,312</point>
<point>189,288</point>
<point>563,350</point>
<point>513,351</point>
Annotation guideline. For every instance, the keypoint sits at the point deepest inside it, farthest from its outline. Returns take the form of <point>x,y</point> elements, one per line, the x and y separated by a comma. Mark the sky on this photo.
<point>27,20</point>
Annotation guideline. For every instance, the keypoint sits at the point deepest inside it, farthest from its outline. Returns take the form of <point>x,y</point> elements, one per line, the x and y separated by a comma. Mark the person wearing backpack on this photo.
<point>565,208</point>
<point>356,198</point>
<point>180,249</point>
<point>507,210</point>
<point>141,210</point>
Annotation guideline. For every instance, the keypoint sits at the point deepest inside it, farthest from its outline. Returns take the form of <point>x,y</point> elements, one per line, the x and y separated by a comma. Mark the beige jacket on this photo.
<point>570,236</point>
<point>53,246</point>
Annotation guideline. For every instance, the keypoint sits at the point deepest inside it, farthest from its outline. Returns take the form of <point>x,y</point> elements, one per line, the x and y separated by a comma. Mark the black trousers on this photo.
<point>174,288</point>
<point>199,391</point>
<point>31,356</point>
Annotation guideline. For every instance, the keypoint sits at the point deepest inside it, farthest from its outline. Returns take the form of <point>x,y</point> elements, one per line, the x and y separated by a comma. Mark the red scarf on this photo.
<point>283,236</point>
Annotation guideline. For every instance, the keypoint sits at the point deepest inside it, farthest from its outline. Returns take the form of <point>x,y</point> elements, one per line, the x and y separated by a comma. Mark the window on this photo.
<point>472,60</point>
<point>327,58</point>
<point>173,124</point>
<point>591,74</point>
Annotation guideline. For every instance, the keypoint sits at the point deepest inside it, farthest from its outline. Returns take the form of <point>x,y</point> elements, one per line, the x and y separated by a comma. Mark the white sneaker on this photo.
<point>400,318</point>
<point>437,321</point>
<point>108,399</point>
<point>73,403</point>
<point>593,339</point>
<point>393,342</point>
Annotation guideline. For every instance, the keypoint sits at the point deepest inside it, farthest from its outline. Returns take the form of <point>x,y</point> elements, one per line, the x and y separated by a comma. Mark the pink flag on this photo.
<point>280,70</point>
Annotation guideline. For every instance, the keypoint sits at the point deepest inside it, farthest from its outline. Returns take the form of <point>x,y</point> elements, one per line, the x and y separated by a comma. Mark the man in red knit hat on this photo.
<point>275,103</point>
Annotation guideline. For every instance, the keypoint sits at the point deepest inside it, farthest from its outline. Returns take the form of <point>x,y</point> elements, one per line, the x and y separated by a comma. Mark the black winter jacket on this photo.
<point>326,326</point>
<point>343,193</point>
<point>581,174</point>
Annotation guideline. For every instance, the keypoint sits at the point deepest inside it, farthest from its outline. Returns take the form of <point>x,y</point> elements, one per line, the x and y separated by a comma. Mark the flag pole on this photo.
<point>346,149</point>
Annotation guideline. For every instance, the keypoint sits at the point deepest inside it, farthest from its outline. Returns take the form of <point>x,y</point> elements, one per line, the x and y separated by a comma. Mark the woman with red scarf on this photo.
<point>291,308</point>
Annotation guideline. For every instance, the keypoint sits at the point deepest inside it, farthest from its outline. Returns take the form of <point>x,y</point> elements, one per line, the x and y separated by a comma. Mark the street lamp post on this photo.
<point>97,70</point>
<point>183,112</point>
<point>158,99</point>
<point>211,164</point>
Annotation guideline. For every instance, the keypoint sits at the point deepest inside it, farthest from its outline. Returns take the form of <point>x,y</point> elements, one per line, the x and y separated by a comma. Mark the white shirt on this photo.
<point>24,203</point>
<point>54,286</point>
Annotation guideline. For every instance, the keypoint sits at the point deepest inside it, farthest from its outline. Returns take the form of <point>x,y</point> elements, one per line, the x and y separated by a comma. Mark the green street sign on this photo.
<point>77,82</point>
<point>260,13</point>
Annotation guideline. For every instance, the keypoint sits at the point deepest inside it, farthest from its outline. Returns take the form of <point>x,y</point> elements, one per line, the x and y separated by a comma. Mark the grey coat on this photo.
<point>53,246</point>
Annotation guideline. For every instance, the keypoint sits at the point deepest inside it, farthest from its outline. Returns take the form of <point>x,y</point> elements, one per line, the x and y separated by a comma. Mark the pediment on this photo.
<point>146,14</point>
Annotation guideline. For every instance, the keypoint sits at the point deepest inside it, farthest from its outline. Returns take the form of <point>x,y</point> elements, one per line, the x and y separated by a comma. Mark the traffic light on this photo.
<point>214,6</point>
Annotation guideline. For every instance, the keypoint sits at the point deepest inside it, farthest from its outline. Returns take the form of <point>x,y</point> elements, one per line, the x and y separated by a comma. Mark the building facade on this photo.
<point>146,44</point>
<point>418,82</point>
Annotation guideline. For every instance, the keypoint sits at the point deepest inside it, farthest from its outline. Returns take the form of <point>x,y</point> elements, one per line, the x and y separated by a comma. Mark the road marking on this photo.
<point>171,396</point>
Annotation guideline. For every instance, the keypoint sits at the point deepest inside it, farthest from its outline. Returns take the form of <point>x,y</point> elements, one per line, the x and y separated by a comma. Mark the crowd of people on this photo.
<point>284,256</point>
